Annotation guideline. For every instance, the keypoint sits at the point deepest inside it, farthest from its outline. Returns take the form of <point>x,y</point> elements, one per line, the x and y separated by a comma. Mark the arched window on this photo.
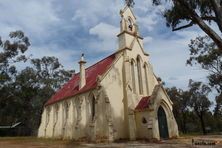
<point>56,112</point>
<point>93,107</point>
<point>47,115</point>
<point>146,78</point>
<point>133,76</point>
<point>139,75</point>
<point>66,109</point>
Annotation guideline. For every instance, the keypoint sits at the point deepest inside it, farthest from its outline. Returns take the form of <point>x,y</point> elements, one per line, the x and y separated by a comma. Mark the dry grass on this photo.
<point>33,142</point>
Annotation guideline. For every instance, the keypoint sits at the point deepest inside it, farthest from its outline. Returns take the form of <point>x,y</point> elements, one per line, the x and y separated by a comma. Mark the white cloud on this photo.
<point>168,56</point>
<point>94,24</point>
<point>182,80</point>
<point>148,21</point>
<point>32,16</point>
<point>91,12</point>
<point>106,34</point>
<point>65,56</point>
<point>147,39</point>
<point>104,31</point>
<point>149,15</point>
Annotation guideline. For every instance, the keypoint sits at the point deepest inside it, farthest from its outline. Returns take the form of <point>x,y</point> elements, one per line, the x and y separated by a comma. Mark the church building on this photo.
<point>118,97</point>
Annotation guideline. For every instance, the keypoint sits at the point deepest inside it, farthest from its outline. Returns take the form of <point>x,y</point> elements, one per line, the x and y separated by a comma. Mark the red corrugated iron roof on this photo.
<point>71,88</point>
<point>143,104</point>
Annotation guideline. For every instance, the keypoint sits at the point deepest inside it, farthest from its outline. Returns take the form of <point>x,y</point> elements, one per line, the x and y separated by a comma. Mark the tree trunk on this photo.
<point>218,12</point>
<point>202,124</point>
<point>184,123</point>
<point>199,21</point>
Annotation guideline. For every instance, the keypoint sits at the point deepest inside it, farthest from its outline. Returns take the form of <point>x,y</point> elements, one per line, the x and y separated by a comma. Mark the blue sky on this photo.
<point>67,28</point>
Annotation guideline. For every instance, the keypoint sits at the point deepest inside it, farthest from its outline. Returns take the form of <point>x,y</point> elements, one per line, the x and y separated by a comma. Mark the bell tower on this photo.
<point>128,26</point>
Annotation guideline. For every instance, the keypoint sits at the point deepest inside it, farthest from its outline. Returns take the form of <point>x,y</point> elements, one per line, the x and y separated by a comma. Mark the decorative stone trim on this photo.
<point>56,112</point>
<point>48,110</point>
<point>79,111</point>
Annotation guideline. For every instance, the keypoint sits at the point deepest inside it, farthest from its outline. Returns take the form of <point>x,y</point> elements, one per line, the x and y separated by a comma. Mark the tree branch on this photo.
<point>200,22</point>
<point>183,27</point>
<point>209,18</point>
<point>218,12</point>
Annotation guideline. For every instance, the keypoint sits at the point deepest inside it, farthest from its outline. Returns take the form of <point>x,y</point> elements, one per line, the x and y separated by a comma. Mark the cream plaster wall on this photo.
<point>143,132</point>
<point>58,124</point>
<point>50,124</point>
<point>41,131</point>
<point>113,84</point>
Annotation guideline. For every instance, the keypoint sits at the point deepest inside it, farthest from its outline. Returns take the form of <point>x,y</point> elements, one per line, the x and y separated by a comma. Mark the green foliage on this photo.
<point>24,92</point>
<point>12,51</point>
<point>180,11</point>
<point>181,111</point>
<point>50,72</point>
<point>18,43</point>
<point>190,105</point>
<point>186,13</point>
<point>218,112</point>
<point>204,52</point>
<point>198,93</point>
<point>31,88</point>
<point>199,101</point>
<point>218,107</point>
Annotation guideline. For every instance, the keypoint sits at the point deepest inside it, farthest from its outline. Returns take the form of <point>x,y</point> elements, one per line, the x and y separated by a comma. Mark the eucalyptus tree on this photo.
<point>199,101</point>
<point>11,51</point>
<point>181,102</point>
<point>23,92</point>
<point>204,53</point>
<point>202,13</point>
<point>35,85</point>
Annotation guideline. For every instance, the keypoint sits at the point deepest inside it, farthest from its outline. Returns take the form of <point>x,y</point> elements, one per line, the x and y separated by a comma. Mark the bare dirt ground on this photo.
<point>182,142</point>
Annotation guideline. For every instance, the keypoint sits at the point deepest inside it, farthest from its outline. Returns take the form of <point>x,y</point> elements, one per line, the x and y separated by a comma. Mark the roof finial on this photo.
<point>130,3</point>
<point>82,57</point>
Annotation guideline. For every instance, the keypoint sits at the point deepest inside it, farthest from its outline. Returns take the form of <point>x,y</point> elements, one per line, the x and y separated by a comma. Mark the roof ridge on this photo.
<point>98,62</point>
<point>71,87</point>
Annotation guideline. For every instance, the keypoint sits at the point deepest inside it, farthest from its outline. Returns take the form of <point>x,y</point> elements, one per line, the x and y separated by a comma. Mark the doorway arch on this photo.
<point>162,121</point>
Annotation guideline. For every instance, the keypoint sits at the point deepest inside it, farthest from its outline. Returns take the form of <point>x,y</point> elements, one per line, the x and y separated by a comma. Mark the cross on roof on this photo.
<point>130,3</point>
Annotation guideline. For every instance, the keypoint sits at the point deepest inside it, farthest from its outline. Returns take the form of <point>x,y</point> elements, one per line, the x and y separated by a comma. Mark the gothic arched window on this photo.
<point>138,60</point>
<point>56,112</point>
<point>146,78</point>
<point>47,115</point>
<point>133,76</point>
<point>66,111</point>
<point>93,107</point>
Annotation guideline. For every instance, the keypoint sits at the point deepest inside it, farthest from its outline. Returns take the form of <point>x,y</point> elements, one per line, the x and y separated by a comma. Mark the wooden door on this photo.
<point>162,120</point>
